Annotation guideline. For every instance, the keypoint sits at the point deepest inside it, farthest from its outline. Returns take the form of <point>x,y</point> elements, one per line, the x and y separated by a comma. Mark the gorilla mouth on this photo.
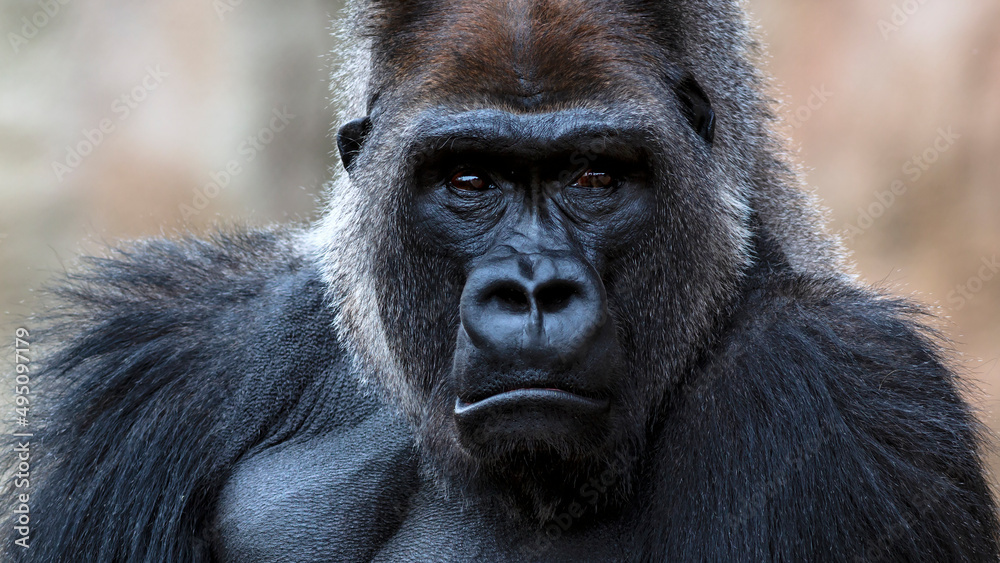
<point>532,399</point>
<point>532,418</point>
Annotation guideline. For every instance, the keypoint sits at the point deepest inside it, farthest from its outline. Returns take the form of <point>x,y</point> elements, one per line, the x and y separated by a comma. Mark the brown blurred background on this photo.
<point>116,117</point>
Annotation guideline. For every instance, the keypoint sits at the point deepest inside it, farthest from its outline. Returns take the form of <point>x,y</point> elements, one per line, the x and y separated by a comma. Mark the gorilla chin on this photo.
<point>530,449</point>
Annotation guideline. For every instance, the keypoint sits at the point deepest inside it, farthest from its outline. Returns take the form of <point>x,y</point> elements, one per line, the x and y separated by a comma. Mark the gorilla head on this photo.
<point>545,214</point>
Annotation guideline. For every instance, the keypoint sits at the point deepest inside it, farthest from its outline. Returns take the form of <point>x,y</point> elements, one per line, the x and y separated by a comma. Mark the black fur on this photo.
<point>179,357</point>
<point>823,426</point>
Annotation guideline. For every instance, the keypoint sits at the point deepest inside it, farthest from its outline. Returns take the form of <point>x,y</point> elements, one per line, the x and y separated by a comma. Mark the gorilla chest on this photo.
<point>331,498</point>
<point>357,496</point>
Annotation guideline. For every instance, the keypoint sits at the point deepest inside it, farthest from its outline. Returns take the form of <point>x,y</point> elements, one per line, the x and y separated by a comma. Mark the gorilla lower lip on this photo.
<point>532,418</point>
<point>534,398</point>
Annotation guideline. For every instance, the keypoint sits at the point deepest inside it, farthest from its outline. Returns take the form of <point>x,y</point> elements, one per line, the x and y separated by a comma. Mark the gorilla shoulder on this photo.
<point>820,390</point>
<point>178,357</point>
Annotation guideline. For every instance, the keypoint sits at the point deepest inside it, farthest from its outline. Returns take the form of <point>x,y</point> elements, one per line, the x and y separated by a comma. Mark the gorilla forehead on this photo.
<point>533,53</point>
<point>528,136</point>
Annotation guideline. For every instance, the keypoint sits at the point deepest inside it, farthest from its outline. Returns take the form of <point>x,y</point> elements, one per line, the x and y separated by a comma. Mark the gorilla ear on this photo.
<point>697,107</point>
<point>351,138</point>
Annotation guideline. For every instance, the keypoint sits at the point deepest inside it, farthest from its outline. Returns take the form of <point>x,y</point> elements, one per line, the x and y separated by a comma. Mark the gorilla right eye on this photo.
<point>469,182</point>
<point>595,179</point>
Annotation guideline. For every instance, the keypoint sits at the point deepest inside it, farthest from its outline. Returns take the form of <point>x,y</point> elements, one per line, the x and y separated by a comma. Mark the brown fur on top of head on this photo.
<point>526,54</point>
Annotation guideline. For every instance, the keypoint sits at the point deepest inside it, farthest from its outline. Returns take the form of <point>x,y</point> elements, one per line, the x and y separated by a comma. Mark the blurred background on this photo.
<point>124,119</point>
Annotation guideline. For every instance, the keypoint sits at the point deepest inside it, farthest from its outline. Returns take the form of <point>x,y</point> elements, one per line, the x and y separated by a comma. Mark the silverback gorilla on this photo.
<point>567,304</point>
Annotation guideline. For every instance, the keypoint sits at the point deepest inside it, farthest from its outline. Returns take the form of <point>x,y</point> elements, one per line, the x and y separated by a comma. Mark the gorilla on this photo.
<point>568,303</point>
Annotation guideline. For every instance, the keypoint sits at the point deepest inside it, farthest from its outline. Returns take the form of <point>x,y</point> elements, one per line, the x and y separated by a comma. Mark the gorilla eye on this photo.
<point>469,182</point>
<point>592,179</point>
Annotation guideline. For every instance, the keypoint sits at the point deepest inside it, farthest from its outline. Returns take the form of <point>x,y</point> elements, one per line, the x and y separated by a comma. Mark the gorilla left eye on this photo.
<point>595,179</point>
<point>469,182</point>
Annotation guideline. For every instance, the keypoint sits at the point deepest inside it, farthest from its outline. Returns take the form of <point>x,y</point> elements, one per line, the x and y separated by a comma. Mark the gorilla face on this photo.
<point>527,266</point>
<point>537,361</point>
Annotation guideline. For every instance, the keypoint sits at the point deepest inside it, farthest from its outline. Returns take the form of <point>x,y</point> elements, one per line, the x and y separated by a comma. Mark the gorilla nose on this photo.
<point>541,308</point>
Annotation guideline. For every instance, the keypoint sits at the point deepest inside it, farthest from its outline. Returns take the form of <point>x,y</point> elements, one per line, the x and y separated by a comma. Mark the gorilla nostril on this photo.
<point>555,297</point>
<point>510,297</point>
